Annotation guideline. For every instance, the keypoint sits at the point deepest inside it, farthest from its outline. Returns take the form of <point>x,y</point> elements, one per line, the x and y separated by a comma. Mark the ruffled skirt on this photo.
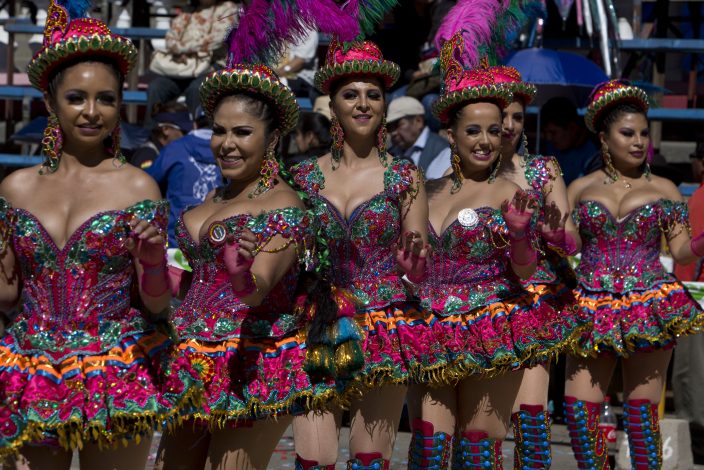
<point>106,398</point>
<point>250,379</point>
<point>518,332</point>
<point>622,324</point>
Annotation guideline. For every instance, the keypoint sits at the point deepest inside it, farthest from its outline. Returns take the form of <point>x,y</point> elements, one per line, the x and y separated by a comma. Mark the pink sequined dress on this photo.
<point>248,360</point>
<point>625,297</point>
<point>79,362</point>
<point>363,262</point>
<point>477,318</point>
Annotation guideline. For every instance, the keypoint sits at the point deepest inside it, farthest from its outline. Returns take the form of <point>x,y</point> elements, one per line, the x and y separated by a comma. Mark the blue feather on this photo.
<point>76,8</point>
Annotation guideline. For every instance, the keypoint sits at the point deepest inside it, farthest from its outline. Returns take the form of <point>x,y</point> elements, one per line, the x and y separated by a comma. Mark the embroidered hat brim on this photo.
<point>229,81</point>
<point>609,99</point>
<point>498,94</point>
<point>117,48</point>
<point>386,70</point>
<point>522,91</point>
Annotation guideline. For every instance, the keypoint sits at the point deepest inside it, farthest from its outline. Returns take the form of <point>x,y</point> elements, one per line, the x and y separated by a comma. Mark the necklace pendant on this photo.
<point>468,218</point>
<point>627,185</point>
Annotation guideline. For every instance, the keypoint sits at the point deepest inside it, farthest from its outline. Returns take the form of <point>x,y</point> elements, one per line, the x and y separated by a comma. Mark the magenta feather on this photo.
<point>267,27</point>
<point>476,20</point>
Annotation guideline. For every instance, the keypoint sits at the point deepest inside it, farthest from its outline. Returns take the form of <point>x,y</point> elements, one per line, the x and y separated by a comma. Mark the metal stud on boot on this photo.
<point>475,449</point>
<point>588,441</point>
<point>642,424</point>
<point>428,449</point>
<point>368,461</point>
<point>531,431</point>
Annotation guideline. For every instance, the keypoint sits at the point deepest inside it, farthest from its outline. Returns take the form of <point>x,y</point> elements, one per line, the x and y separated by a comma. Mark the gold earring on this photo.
<point>457,176</point>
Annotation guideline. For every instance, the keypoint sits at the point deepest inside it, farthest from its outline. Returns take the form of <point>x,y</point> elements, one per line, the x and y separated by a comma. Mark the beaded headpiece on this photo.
<point>256,78</point>
<point>461,86</point>
<point>363,58</point>
<point>609,94</point>
<point>66,38</point>
<point>510,78</point>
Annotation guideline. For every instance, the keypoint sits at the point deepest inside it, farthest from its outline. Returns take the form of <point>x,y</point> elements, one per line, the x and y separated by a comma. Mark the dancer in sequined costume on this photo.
<point>372,211</point>
<point>80,367</point>
<point>632,307</point>
<point>553,280</point>
<point>478,324</point>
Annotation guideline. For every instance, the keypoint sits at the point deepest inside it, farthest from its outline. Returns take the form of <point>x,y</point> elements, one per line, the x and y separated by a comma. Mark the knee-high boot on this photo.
<point>428,449</point>
<point>531,431</point>
<point>588,441</point>
<point>642,424</point>
<point>475,449</point>
<point>368,461</point>
<point>303,464</point>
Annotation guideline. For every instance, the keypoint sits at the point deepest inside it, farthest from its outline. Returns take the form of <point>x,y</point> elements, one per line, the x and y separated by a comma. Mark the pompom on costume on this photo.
<point>625,296</point>
<point>360,250</point>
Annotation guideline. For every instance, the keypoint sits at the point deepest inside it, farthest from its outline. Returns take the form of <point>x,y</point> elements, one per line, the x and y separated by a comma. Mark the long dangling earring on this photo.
<point>523,151</point>
<point>52,142</point>
<point>646,171</point>
<point>269,171</point>
<point>495,171</point>
<point>608,165</point>
<point>338,142</point>
<point>118,159</point>
<point>381,141</point>
<point>457,176</point>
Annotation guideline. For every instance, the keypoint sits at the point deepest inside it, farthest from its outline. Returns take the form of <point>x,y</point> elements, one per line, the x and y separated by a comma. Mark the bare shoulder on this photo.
<point>504,189</point>
<point>138,183</point>
<point>666,187</point>
<point>20,184</point>
<point>578,186</point>
<point>438,186</point>
<point>282,196</point>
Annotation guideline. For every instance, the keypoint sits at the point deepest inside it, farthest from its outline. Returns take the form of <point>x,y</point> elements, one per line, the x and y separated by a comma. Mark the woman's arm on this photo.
<point>412,251</point>
<point>556,193</point>
<point>683,248</point>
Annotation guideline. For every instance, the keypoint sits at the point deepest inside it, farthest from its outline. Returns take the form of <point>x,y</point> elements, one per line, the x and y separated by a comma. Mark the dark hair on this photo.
<point>559,111</point>
<point>319,125</point>
<point>56,77</point>
<point>255,106</point>
<point>456,112</point>
<point>614,114</point>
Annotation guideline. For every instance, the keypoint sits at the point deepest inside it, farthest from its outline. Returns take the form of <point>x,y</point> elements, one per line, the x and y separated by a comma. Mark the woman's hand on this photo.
<point>518,213</point>
<point>411,256</point>
<point>146,243</point>
<point>238,257</point>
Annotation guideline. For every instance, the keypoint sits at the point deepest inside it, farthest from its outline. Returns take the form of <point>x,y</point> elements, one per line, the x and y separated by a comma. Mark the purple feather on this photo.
<point>476,19</point>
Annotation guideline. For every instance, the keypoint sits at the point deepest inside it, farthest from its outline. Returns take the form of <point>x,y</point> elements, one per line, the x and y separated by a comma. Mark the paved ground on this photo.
<point>284,456</point>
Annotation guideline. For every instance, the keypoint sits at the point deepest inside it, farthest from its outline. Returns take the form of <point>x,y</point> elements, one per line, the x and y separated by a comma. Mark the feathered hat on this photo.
<point>360,58</point>
<point>510,78</point>
<point>68,34</point>
<point>461,86</point>
<point>612,93</point>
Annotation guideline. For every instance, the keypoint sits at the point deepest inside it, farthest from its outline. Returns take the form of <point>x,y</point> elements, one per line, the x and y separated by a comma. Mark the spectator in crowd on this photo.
<point>188,169</point>
<point>322,105</point>
<point>171,121</point>
<point>193,35</point>
<point>568,139</point>
<point>413,140</point>
<point>298,67</point>
<point>688,365</point>
<point>312,137</point>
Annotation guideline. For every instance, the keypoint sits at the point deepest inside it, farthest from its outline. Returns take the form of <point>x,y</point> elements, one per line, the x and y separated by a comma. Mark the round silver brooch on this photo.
<point>468,217</point>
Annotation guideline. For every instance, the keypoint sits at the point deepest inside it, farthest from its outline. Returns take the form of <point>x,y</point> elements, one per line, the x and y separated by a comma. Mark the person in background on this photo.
<point>321,105</point>
<point>413,140</point>
<point>567,139</point>
<point>188,169</point>
<point>688,364</point>
<point>299,65</point>
<point>171,122</point>
<point>312,137</point>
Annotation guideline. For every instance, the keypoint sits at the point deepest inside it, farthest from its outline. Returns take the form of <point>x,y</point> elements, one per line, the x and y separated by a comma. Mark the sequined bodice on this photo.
<point>620,255</point>
<point>362,247</point>
<point>211,311</point>
<point>469,266</point>
<point>540,172</point>
<point>76,300</point>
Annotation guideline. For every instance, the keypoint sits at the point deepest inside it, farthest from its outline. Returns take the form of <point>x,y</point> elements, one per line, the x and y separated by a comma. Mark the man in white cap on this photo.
<point>413,140</point>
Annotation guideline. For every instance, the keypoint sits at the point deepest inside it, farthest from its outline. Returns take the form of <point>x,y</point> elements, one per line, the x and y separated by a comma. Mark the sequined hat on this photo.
<point>256,78</point>
<point>612,93</point>
<point>67,38</point>
<point>510,78</point>
<point>460,86</point>
<point>357,58</point>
